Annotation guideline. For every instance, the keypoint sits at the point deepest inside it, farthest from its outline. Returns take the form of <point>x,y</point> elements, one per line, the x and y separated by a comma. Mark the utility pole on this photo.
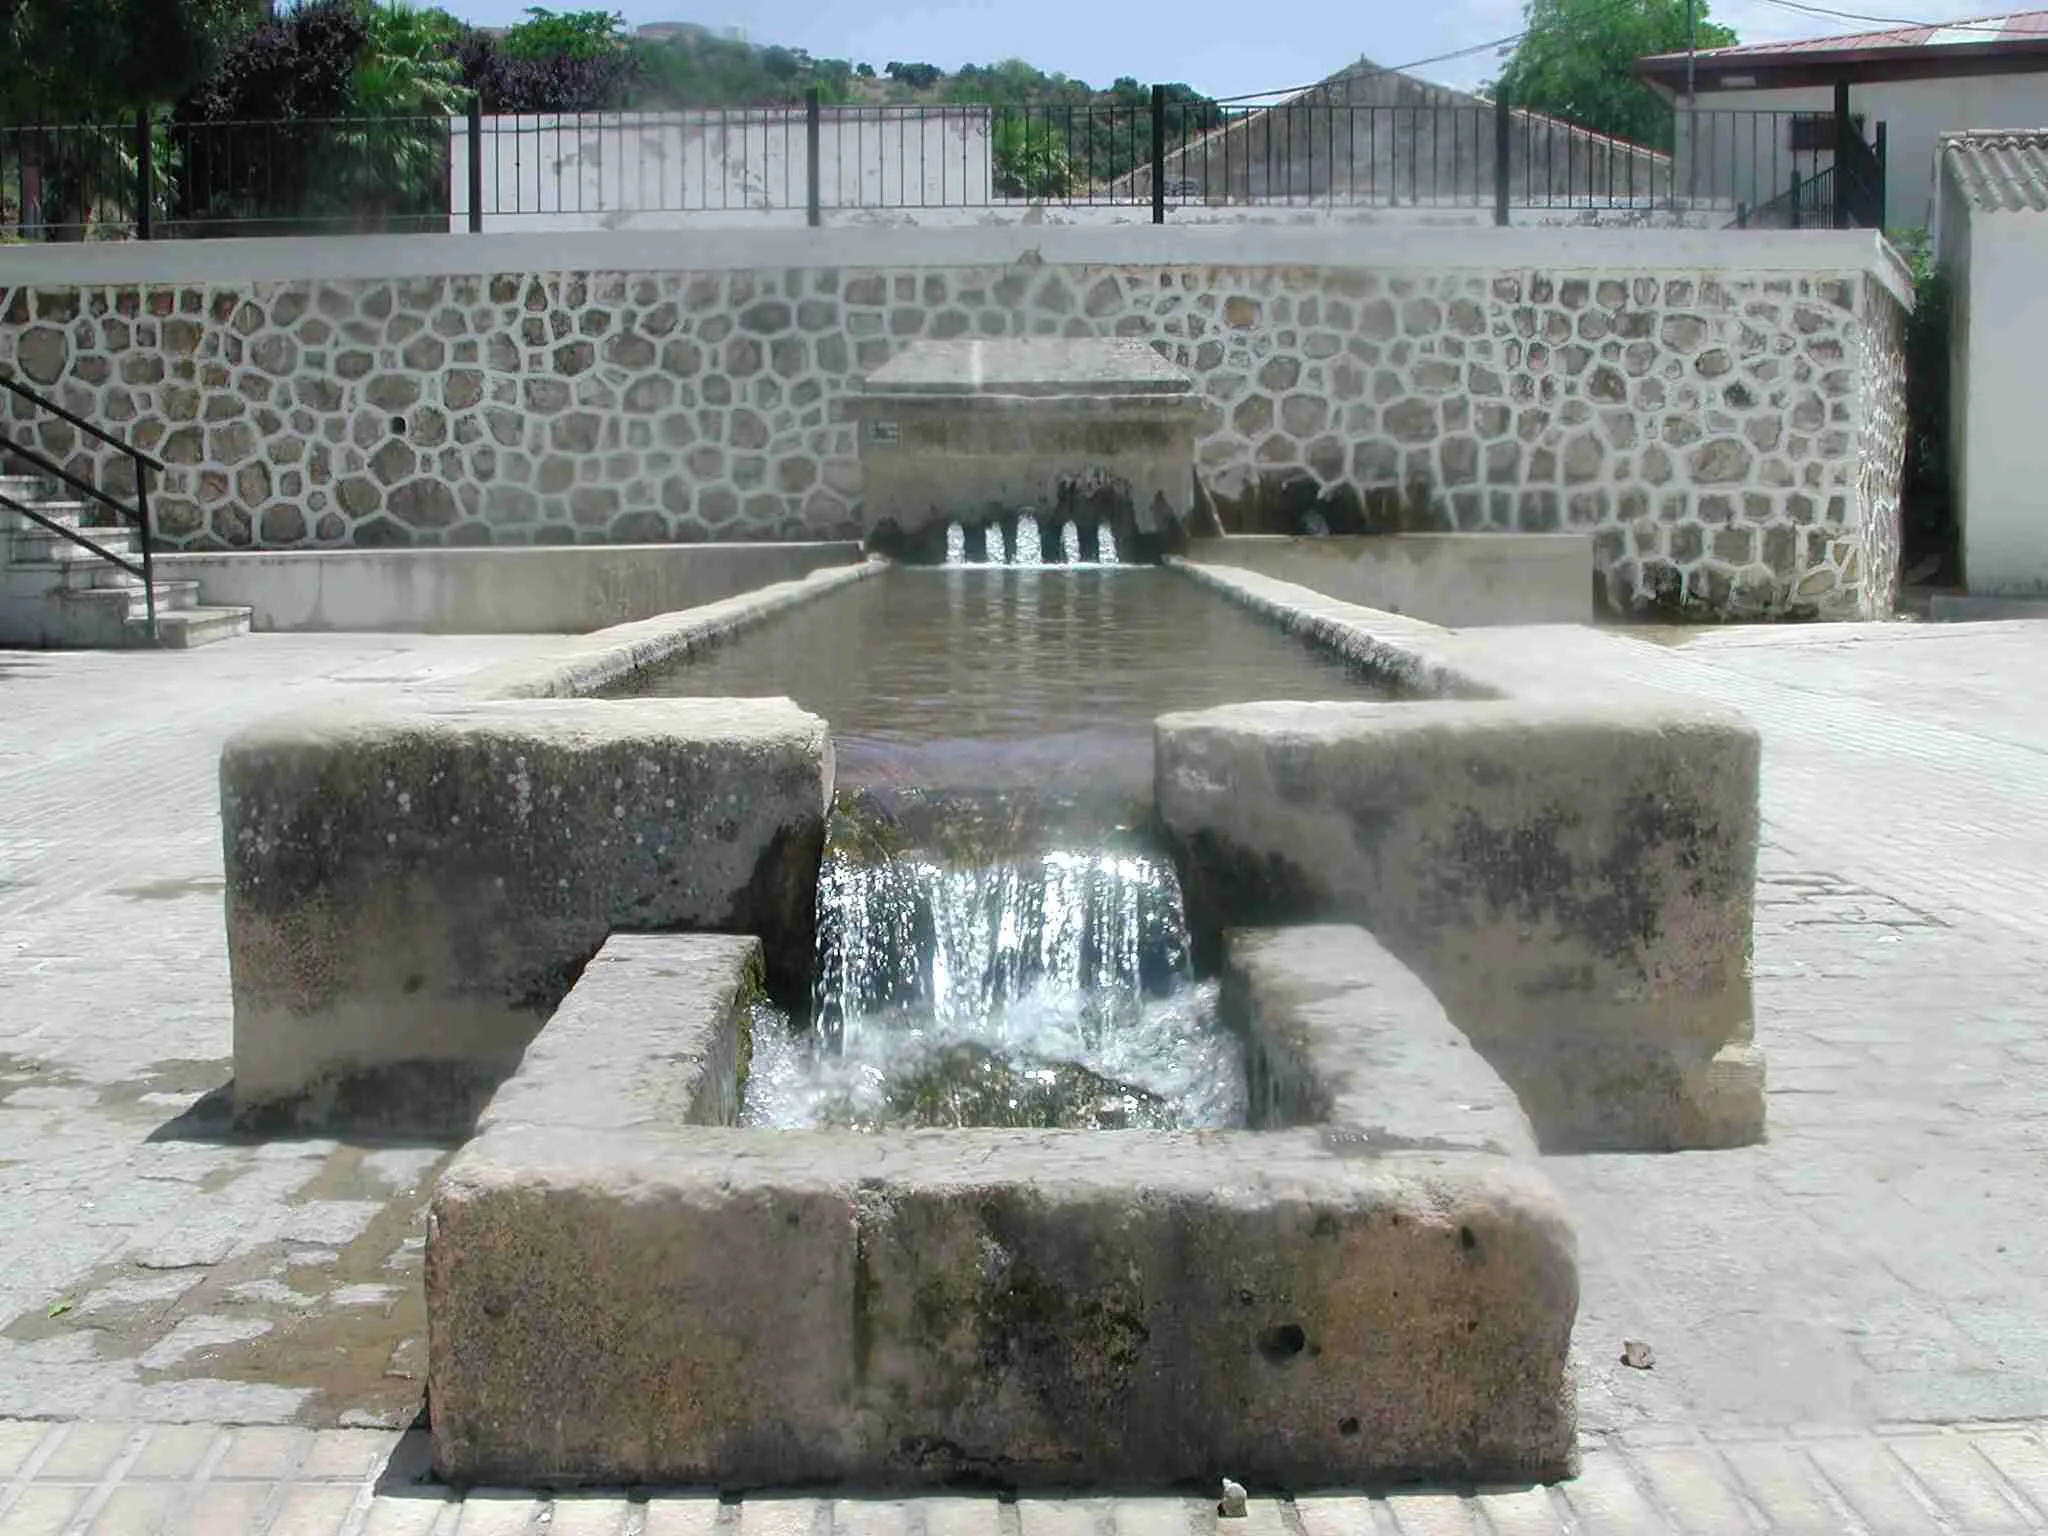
<point>1692,114</point>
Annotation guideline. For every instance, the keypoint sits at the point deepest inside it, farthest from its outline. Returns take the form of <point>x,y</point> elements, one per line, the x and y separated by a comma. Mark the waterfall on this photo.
<point>992,546</point>
<point>1070,543</point>
<point>961,945</point>
<point>956,544</point>
<point>1105,544</point>
<point>1027,551</point>
<point>976,957</point>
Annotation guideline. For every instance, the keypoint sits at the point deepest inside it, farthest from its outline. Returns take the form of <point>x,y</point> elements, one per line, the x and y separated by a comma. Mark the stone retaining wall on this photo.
<point>1720,412</point>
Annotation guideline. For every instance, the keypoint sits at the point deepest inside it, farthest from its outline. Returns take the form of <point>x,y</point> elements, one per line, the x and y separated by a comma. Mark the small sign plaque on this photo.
<point>883,432</point>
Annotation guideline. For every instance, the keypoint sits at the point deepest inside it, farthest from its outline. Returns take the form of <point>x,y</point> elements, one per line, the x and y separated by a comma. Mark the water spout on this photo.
<point>956,544</point>
<point>1105,544</point>
<point>1028,551</point>
<point>1070,543</point>
<point>992,545</point>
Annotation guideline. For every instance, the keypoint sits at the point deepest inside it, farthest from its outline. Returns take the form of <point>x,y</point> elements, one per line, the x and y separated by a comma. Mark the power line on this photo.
<point>1975,24</point>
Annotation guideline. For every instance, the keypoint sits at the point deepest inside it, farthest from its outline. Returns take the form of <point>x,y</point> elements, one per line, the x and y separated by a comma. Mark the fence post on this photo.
<point>145,177</point>
<point>476,164</point>
<point>1792,197</point>
<point>1502,137</point>
<point>814,203</point>
<point>1158,154</point>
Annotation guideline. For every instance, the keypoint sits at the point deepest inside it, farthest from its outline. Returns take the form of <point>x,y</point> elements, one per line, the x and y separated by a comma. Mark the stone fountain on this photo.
<point>974,432</point>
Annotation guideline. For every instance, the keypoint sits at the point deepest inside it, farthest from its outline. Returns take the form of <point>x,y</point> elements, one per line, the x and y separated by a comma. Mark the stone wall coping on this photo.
<point>226,263</point>
<point>585,664</point>
<point>481,554</point>
<point>1528,666</point>
<point>568,722</point>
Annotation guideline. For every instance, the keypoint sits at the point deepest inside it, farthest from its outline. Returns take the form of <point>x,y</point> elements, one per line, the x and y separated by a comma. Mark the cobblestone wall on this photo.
<point>1734,439</point>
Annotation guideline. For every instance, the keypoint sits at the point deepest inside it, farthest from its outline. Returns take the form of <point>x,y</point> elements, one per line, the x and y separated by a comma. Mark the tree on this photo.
<point>550,84</point>
<point>1575,62</point>
<point>549,34</point>
<point>919,77</point>
<point>94,60</point>
<point>335,114</point>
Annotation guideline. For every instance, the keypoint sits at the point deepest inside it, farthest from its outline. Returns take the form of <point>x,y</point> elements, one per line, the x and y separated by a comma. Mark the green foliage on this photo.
<point>1575,62</point>
<point>1030,157</point>
<point>549,34</point>
<point>1926,494</point>
<point>409,68</point>
<point>93,60</point>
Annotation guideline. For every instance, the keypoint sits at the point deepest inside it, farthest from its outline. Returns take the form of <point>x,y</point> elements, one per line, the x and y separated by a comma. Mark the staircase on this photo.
<point>76,561</point>
<point>54,593</point>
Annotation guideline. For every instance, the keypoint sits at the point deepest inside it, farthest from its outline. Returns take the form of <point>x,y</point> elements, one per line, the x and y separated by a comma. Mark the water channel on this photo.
<point>1000,932</point>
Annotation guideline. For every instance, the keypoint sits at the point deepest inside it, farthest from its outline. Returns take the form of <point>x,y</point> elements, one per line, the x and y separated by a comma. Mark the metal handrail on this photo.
<point>137,514</point>
<point>73,534</point>
<point>100,434</point>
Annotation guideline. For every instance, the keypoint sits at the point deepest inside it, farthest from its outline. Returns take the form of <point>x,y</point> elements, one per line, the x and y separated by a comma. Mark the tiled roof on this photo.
<point>2019,28</point>
<point>2003,170</point>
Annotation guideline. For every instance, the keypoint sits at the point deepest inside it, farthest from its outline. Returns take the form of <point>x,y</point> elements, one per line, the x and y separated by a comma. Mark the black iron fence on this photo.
<point>172,179</point>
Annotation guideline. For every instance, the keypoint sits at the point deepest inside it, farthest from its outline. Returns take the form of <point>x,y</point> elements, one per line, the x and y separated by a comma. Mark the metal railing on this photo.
<point>1425,148</point>
<point>138,514</point>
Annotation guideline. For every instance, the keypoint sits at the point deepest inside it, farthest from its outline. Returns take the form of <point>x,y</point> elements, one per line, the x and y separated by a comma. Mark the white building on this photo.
<point>1918,82</point>
<point>1992,224</point>
<point>700,169</point>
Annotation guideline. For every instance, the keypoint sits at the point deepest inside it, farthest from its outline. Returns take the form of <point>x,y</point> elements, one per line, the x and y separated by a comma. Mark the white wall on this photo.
<point>2002,505</point>
<point>675,170</point>
<point>1915,114</point>
<point>223,263</point>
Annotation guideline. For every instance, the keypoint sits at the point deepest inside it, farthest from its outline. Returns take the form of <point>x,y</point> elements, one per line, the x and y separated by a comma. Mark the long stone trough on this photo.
<point>1506,912</point>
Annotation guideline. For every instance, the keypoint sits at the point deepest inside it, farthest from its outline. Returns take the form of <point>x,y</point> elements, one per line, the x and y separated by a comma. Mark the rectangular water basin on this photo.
<point>1370,1284</point>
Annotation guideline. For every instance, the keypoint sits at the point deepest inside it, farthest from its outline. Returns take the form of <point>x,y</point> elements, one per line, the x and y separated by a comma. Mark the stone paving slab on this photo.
<point>219,1480</point>
<point>1878,1266</point>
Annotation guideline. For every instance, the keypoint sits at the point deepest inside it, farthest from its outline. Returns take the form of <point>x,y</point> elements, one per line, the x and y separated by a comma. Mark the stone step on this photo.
<point>180,629</point>
<point>39,546</point>
<point>57,508</point>
<point>171,596</point>
<point>77,570</point>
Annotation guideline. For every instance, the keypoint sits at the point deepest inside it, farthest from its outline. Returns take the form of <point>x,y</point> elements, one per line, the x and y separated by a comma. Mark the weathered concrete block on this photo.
<point>415,887</point>
<point>681,1000</point>
<point>1572,880</point>
<point>1342,1034</point>
<point>677,1303</point>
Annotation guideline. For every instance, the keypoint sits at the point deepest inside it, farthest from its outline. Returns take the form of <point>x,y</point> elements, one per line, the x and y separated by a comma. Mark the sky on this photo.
<point>1221,47</point>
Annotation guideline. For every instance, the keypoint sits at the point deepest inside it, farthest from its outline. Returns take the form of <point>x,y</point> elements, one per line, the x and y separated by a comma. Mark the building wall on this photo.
<point>2001,448</point>
<point>1915,114</point>
<point>1377,136</point>
<point>674,170</point>
<point>1711,408</point>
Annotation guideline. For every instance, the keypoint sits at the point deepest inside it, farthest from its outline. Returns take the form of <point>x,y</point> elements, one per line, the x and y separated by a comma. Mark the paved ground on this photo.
<point>1816,1305</point>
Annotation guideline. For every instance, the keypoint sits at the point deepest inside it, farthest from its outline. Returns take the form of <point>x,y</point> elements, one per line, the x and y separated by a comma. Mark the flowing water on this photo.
<point>1000,932</point>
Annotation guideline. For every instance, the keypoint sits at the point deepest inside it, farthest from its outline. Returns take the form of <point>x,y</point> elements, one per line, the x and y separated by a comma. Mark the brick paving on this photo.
<point>1850,1328</point>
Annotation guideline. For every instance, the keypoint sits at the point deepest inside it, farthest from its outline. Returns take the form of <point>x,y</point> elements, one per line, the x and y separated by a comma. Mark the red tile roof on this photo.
<point>2026,29</point>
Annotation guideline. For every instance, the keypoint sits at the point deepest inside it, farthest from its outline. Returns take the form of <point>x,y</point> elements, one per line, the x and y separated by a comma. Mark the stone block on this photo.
<point>412,889</point>
<point>661,1302</point>
<point>1342,1034</point>
<point>1572,879</point>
